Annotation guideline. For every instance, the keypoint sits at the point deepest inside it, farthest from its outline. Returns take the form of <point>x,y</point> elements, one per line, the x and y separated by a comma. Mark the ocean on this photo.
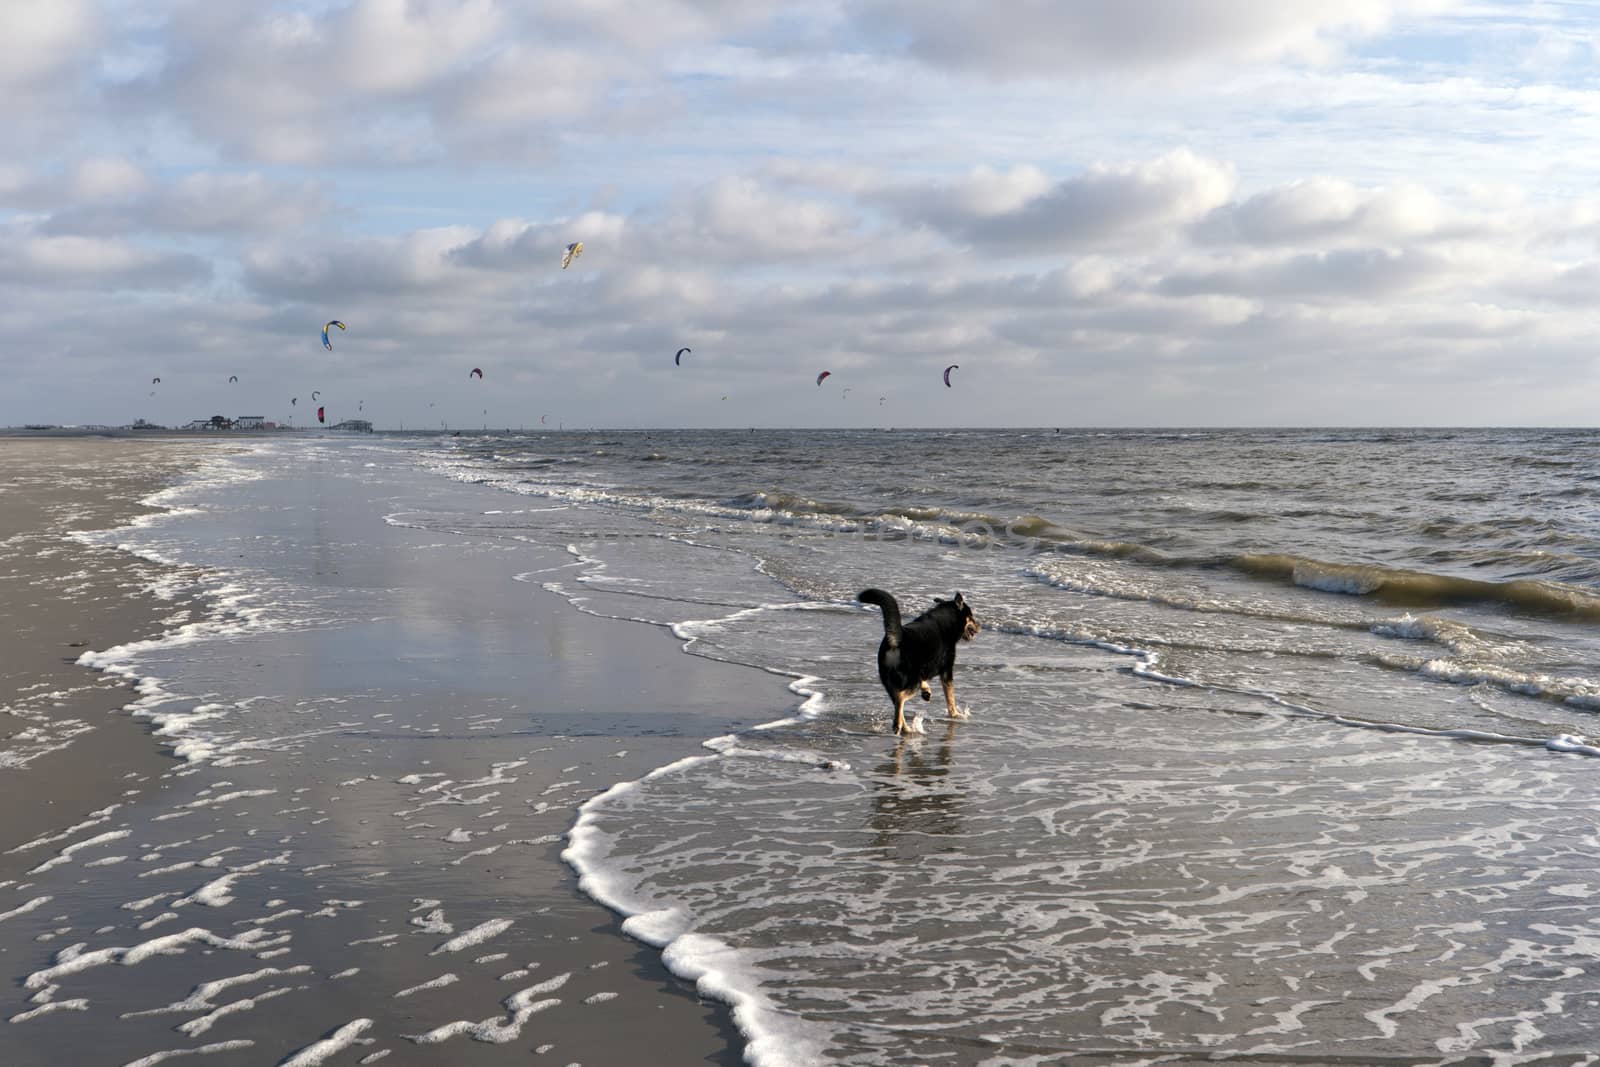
<point>1281,749</point>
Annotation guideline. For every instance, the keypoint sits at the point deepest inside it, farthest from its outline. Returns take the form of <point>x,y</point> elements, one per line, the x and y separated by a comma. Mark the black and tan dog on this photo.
<point>921,649</point>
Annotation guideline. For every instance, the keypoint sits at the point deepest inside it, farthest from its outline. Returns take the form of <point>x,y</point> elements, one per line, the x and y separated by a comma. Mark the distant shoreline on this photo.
<point>125,431</point>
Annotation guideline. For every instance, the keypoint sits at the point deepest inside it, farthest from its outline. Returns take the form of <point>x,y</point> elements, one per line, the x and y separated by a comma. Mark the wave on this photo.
<point>1396,586</point>
<point>1420,589</point>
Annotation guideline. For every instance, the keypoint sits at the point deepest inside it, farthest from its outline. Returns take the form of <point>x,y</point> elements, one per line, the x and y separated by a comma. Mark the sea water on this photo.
<point>1279,744</point>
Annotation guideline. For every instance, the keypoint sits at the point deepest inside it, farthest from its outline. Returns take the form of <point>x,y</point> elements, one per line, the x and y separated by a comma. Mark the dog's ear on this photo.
<point>958,602</point>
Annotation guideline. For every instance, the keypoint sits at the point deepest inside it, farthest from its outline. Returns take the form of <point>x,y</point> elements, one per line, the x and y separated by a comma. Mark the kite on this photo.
<point>574,250</point>
<point>325,342</point>
<point>475,372</point>
<point>233,377</point>
<point>846,394</point>
<point>316,395</point>
<point>881,399</point>
<point>155,381</point>
<point>823,375</point>
<point>677,360</point>
<point>293,400</point>
<point>947,370</point>
<point>319,415</point>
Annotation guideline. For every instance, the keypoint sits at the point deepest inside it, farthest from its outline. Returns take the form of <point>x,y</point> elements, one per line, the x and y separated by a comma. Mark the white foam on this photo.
<point>475,936</point>
<point>433,922</point>
<point>66,854</point>
<point>98,818</point>
<point>196,1027</point>
<point>437,983</point>
<point>520,1006</point>
<point>49,1007</point>
<point>199,1050</point>
<point>319,1051</point>
<point>23,909</point>
<point>214,894</point>
<point>200,997</point>
<point>69,962</point>
<point>773,1038</point>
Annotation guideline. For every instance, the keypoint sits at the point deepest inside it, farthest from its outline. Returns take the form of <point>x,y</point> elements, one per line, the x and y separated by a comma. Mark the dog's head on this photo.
<point>969,621</point>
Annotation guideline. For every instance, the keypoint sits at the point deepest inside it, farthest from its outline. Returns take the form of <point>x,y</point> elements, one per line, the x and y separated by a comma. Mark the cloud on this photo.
<point>404,82</point>
<point>738,219</point>
<point>1106,206</point>
<point>1008,39</point>
<point>33,260</point>
<point>41,39</point>
<point>1323,209</point>
<point>394,47</point>
<point>526,84</point>
<point>235,203</point>
<point>516,245</point>
<point>331,273</point>
<point>1342,274</point>
<point>106,179</point>
<point>109,198</point>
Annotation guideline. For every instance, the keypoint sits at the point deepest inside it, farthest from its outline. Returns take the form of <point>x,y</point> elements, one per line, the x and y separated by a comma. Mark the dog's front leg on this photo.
<point>950,699</point>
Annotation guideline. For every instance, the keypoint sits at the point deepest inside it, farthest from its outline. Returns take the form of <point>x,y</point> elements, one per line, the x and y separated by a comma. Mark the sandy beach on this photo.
<point>57,598</point>
<point>386,880</point>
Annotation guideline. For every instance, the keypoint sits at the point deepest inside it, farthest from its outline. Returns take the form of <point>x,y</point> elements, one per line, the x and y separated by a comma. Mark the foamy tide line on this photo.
<point>236,607</point>
<point>772,1038</point>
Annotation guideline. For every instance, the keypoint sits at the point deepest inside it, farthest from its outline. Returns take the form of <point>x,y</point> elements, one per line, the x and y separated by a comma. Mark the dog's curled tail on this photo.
<point>891,613</point>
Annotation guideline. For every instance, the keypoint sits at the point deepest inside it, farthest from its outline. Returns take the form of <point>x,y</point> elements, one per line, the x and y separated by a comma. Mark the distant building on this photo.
<point>140,424</point>
<point>250,422</point>
<point>353,426</point>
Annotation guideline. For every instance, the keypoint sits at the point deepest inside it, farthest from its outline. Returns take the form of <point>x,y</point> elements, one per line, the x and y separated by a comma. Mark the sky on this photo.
<point>1140,213</point>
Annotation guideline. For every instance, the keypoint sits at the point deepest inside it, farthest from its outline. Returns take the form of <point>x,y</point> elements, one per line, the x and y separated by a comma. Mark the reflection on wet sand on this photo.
<point>914,803</point>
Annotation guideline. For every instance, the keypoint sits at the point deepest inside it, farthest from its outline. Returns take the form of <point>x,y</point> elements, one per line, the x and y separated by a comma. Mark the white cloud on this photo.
<point>400,46</point>
<point>386,266</point>
<point>40,38</point>
<point>1028,38</point>
<point>1322,209</point>
<point>1105,206</point>
<point>98,180</point>
<point>1339,275</point>
<point>739,219</point>
<point>46,261</point>
<point>522,84</point>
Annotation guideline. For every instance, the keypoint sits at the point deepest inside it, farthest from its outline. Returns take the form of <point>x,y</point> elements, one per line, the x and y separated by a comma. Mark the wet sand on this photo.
<point>66,745</point>
<point>388,883</point>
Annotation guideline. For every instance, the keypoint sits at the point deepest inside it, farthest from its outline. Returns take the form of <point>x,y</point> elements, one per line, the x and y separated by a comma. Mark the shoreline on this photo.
<point>60,598</point>
<point>585,733</point>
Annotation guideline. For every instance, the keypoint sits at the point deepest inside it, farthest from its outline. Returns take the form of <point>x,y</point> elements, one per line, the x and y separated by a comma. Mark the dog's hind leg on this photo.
<point>900,712</point>
<point>949,684</point>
